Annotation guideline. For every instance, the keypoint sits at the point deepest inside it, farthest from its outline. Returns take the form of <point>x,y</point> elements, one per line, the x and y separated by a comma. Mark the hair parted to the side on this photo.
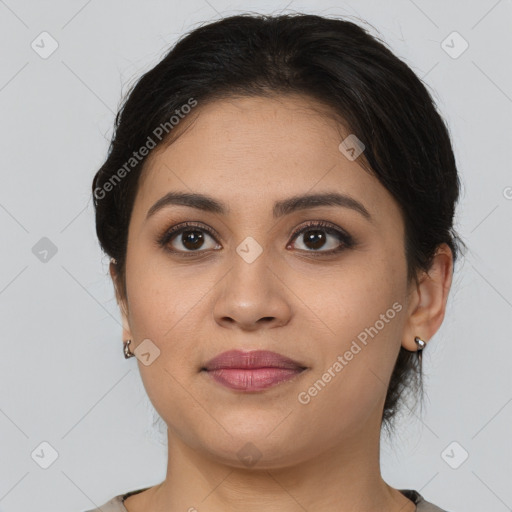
<point>374,94</point>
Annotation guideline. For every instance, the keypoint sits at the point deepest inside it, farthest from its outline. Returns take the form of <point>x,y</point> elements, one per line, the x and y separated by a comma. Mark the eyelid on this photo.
<point>321,224</point>
<point>347,240</point>
<point>166,236</point>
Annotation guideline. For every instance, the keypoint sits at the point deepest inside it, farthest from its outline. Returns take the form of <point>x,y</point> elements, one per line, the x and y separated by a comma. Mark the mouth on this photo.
<point>252,371</point>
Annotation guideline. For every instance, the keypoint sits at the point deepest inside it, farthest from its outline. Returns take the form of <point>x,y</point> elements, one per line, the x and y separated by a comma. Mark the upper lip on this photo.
<point>251,360</point>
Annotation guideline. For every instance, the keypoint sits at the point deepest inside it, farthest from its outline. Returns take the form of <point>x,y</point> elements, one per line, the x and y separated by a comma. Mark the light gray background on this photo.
<point>64,379</point>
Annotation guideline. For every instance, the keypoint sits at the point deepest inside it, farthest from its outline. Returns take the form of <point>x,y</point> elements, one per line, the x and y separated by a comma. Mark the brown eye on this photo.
<point>314,239</point>
<point>321,235</point>
<point>191,240</point>
<point>187,238</point>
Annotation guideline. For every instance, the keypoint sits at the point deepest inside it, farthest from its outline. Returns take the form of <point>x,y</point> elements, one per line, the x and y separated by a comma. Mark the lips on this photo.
<point>251,360</point>
<point>252,371</point>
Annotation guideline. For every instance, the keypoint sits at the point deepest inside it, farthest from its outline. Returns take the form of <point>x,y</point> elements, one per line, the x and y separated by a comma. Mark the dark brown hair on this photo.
<point>337,63</point>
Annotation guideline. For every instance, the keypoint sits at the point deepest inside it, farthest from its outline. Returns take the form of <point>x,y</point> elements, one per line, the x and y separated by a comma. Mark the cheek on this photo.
<point>359,317</point>
<point>161,298</point>
<point>357,362</point>
<point>163,309</point>
<point>354,296</point>
<point>168,306</point>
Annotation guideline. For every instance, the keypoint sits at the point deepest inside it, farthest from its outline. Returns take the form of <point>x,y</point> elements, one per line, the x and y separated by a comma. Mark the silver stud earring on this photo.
<point>421,345</point>
<point>127,352</point>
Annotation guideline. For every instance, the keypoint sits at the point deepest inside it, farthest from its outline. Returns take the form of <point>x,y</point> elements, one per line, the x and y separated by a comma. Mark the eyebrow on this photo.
<point>281,208</point>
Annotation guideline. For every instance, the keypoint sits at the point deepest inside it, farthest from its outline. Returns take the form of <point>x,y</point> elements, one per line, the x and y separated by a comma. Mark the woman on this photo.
<point>278,204</point>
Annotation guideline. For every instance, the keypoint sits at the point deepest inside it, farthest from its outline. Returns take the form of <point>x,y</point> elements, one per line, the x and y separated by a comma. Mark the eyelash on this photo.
<point>346,240</point>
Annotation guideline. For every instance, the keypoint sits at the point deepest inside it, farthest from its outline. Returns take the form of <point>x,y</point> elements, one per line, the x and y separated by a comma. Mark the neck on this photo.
<point>344,478</point>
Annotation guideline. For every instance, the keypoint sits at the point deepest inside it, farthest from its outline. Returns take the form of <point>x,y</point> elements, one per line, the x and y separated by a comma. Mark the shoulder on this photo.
<point>113,505</point>
<point>422,505</point>
<point>116,503</point>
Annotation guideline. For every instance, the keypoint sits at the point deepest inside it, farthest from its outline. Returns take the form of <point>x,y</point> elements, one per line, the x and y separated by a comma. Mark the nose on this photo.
<point>252,296</point>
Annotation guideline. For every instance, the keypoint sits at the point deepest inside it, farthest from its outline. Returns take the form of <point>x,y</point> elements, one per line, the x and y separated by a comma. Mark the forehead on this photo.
<point>252,151</point>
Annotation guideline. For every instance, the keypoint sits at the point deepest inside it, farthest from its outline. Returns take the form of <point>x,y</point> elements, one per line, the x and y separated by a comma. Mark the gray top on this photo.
<point>116,503</point>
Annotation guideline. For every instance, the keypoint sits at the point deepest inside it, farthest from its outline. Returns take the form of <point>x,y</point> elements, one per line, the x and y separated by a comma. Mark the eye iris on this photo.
<point>315,237</point>
<point>195,238</point>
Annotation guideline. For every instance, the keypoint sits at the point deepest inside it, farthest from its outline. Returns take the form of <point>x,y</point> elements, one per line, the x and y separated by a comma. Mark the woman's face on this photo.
<point>240,279</point>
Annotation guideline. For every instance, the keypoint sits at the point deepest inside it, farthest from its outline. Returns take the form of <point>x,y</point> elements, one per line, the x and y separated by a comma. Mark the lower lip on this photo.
<point>252,380</point>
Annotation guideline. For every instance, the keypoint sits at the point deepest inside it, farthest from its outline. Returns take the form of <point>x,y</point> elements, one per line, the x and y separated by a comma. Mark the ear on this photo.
<point>127,335</point>
<point>428,299</point>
